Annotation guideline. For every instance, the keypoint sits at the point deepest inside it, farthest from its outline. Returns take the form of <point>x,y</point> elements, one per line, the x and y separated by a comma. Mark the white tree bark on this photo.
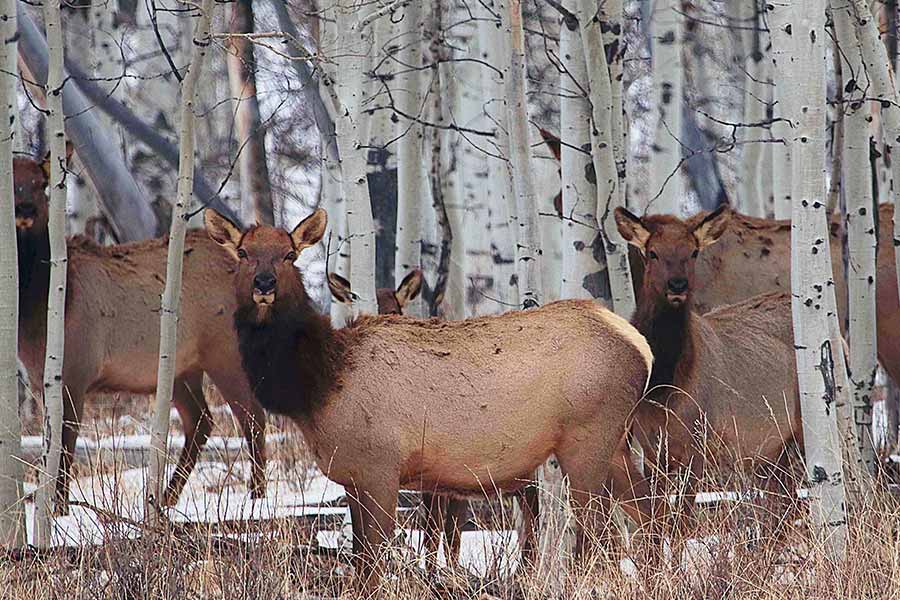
<point>861,274</point>
<point>667,70</point>
<point>880,74</point>
<point>810,272</point>
<point>528,237</point>
<point>171,300</point>
<point>582,275</point>
<point>756,175</point>
<point>12,516</point>
<point>411,188</point>
<point>603,138</point>
<point>780,16</point>
<point>56,300</point>
<point>354,43</point>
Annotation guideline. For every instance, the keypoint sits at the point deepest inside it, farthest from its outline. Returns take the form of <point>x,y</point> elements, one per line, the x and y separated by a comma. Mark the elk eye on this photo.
<point>695,253</point>
<point>290,256</point>
<point>653,255</point>
<point>241,253</point>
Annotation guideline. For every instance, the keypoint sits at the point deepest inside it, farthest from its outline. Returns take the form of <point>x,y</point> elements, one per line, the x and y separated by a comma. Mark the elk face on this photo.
<point>390,302</point>
<point>265,256</point>
<point>670,248</point>
<point>30,190</point>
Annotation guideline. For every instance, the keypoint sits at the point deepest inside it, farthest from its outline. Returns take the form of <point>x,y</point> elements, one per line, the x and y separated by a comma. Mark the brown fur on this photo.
<point>461,407</point>
<point>724,386</point>
<point>112,328</point>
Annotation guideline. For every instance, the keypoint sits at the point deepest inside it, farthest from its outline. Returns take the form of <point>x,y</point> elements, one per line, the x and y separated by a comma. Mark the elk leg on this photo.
<point>435,511</point>
<point>378,516</point>
<point>73,407</point>
<point>529,501</point>
<point>356,521</point>
<point>252,419</point>
<point>456,515</point>
<point>197,424</point>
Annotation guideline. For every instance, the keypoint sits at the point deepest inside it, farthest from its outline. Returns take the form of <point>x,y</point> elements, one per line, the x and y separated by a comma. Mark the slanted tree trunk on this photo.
<point>411,192</point>
<point>253,169</point>
<point>123,202</point>
<point>596,48</point>
<point>56,300</point>
<point>171,299</point>
<point>783,38</point>
<point>810,274</point>
<point>857,188</point>
<point>668,186</point>
<point>12,514</point>
<point>881,77</point>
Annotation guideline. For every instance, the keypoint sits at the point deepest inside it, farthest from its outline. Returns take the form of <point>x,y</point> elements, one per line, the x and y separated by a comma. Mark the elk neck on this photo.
<point>290,358</point>
<point>33,248</point>
<point>669,334</point>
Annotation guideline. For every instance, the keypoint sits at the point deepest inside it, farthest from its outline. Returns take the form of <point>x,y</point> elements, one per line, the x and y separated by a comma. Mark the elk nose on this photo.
<point>264,283</point>
<point>678,285</point>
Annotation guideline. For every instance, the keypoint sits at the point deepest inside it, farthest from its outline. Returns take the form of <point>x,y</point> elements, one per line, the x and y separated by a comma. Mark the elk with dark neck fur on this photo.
<point>723,387</point>
<point>457,408</point>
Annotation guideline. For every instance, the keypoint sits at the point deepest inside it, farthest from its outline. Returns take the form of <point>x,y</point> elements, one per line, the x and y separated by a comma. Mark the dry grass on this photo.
<point>749,548</point>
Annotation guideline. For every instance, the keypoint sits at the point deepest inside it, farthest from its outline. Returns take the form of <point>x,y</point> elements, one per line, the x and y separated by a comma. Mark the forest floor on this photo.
<point>219,543</point>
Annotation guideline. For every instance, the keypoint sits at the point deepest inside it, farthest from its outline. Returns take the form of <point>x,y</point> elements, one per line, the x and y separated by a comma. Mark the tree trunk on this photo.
<point>56,300</point>
<point>810,273</point>
<point>411,192</point>
<point>881,77</point>
<point>603,139</point>
<point>171,299</point>
<point>783,57</point>
<point>123,202</point>
<point>755,179</point>
<point>253,170</point>
<point>857,188</point>
<point>668,188</point>
<point>584,270</point>
<point>12,514</point>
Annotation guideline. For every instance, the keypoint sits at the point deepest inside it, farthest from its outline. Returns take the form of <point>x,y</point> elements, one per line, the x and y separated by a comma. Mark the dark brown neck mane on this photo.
<point>34,274</point>
<point>667,330</point>
<point>290,359</point>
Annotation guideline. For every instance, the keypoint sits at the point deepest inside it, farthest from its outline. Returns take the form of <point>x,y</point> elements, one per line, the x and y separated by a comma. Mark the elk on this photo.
<point>112,329</point>
<point>450,407</point>
<point>443,514</point>
<point>723,386</point>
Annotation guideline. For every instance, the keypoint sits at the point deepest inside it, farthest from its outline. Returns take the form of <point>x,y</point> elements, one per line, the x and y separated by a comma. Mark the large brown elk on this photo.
<point>723,386</point>
<point>753,257</point>
<point>443,514</point>
<point>112,329</point>
<point>453,407</point>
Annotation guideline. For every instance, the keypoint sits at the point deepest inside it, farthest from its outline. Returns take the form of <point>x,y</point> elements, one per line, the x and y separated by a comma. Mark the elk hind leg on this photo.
<point>197,423</point>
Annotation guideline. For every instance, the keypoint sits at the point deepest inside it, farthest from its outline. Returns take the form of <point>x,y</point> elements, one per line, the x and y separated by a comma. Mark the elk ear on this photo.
<point>45,164</point>
<point>409,288</point>
<point>711,228</point>
<point>552,142</point>
<point>632,228</point>
<point>222,231</point>
<point>340,288</point>
<point>310,230</point>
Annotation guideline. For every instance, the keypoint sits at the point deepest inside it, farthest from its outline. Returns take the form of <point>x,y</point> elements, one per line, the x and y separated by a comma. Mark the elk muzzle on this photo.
<point>264,289</point>
<point>25,214</point>
<point>676,290</point>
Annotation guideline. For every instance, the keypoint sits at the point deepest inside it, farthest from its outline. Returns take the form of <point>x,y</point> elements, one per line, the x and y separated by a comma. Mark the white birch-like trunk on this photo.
<point>528,238</point>
<point>171,299</point>
<point>667,70</point>
<point>755,177</point>
<point>12,514</point>
<point>783,56</point>
<point>880,74</point>
<point>582,275</point>
<point>861,274</point>
<point>253,169</point>
<point>411,189</point>
<point>354,43</point>
<point>603,139</point>
<point>817,365</point>
<point>56,298</point>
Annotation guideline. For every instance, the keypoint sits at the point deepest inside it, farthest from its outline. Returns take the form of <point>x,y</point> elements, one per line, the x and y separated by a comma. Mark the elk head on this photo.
<point>30,181</point>
<point>669,248</point>
<point>266,277</point>
<point>390,302</point>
